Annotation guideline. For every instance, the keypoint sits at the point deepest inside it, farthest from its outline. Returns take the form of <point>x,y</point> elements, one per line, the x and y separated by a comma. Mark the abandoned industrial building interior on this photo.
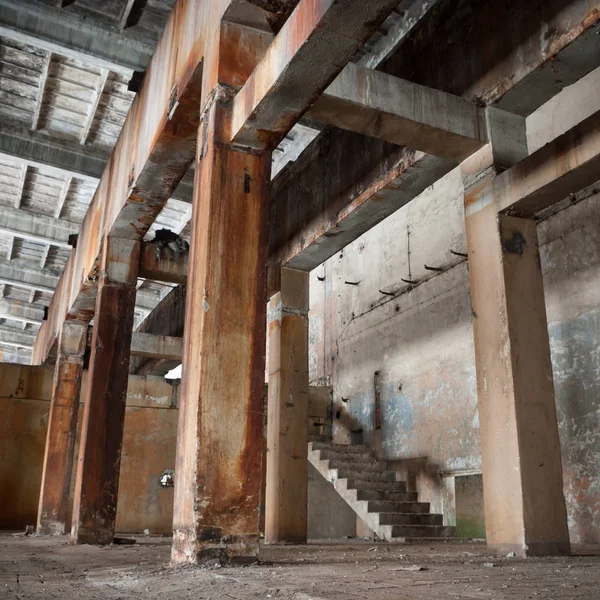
<point>300,299</point>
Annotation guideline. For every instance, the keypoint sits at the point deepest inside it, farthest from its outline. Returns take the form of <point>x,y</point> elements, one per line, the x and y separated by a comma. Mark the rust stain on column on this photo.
<point>96,490</point>
<point>62,428</point>
<point>220,440</point>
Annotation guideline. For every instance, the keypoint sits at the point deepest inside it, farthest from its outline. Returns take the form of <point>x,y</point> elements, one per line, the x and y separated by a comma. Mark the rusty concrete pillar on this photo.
<point>287,429</point>
<point>97,483</point>
<point>522,471</point>
<point>220,438</point>
<point>221,416</point>
<point>62,430</point>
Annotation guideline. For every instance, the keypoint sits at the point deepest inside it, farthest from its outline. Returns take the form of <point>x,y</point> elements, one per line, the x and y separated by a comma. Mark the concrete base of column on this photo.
<point>214,549</point>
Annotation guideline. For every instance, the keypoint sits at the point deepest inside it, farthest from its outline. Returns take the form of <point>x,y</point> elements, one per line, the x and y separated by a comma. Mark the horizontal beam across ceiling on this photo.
<point>407,114</point>
<point>61,156</point>
<point>36,228</point>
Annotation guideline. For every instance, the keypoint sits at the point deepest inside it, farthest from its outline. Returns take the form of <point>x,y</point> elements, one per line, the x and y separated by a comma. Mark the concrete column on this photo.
<point>522,471</point>
<point>287,429</point>
<point>220,438</point>
<point>62,430</point>
<point>97,484</point>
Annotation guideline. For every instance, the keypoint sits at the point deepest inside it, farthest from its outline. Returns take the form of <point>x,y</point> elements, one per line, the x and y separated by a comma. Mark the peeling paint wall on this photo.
<point>421,341</point>
<point>148,449</point>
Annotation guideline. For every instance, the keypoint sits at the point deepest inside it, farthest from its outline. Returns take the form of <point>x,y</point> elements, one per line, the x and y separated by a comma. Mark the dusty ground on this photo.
<point>36,568</point>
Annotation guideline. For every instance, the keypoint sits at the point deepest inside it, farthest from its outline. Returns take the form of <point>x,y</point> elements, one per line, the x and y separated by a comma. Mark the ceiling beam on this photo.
<point>166,319</point>
<point>15,354</point>
<point>41,151</point>
<point>563,167</point>
<point>21,311</point>
<point>66,159</point>
<point>74,36</point>
<point>158,262</point>
<point>36,228</point>
<point>18,274</point>
<point>303,59</point>
<point>164,347</point>
<point>399,25</point>
<point>403,113</point>
<point>352,200</point>
<point>15,338</point>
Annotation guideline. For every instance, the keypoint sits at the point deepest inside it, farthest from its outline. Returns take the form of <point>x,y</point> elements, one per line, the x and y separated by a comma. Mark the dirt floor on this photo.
<point>42,568</point>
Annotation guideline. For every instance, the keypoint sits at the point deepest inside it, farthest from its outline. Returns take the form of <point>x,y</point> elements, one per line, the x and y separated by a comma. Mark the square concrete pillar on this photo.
<point>62,430</point>
<point>97,483</point>
<point>220,440</point>
<point>287,429</point>
<point>522,471</point>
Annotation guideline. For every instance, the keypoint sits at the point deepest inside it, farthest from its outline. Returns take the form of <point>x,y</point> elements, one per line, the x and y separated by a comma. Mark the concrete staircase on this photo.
<point>374,494</point>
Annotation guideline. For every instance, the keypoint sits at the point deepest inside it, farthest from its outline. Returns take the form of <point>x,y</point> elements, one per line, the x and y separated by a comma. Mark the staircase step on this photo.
<point>345,465</point>
<point>389,518</point>
<point>410,518</point>
<point>366,475</point>
<point>423,531</point>
<point>362,449</point>
<point>360,457</point>
<point>393,506</point>
<point>355,483</point>
<point>397,495</point>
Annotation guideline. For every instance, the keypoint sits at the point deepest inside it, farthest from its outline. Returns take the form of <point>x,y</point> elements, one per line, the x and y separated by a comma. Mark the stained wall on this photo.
<point>148,449</point>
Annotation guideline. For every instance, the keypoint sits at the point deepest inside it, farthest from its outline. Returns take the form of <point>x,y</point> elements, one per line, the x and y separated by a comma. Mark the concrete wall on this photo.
<point>148,449</point>
<point>420,342</point>
<point>24,393</point>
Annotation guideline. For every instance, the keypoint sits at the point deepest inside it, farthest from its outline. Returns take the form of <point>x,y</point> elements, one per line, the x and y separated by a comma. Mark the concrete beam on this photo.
<point>403,113</point>
<point>400,23</point>
<point>166,319</point>
<point>16,339</point>
<point>36,228</point>
<point>313,46</point>
<point>159,262</point>
<point>164,347</point>
<point>21,311</point>
<point>74,36</point>
<point>61,156</point>
<point>517,56</point>
<point>307,229</point>
<point>41,151</point>
<point>17,355</point>
<point>564,166</point>
<point>24,276</point>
